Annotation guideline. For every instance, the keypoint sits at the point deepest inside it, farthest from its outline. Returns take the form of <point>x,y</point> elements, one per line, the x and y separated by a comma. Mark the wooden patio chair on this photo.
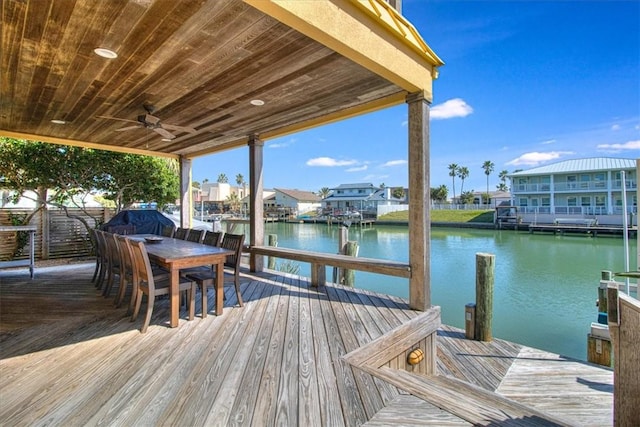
<point>213,238</point>
<point>99,255</point>
<point>124,229</point>
<point>168,231</point>
<point>206,278</point>
<point>195,235</point>
<point>126,271</point>
<point>113,262</point>
<point>181,233</point>
<point>147,284</point>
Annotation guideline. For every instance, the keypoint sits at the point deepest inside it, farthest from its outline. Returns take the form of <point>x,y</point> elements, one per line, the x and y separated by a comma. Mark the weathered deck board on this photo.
<point>549,377</point>
<point>79,361</point>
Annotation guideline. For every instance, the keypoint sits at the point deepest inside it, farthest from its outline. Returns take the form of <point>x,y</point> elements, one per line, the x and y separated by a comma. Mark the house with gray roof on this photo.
<point>363,198</point>
<point>585,188</point>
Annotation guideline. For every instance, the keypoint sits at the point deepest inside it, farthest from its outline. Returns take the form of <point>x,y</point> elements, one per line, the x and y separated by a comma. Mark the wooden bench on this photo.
<point>319,260</point>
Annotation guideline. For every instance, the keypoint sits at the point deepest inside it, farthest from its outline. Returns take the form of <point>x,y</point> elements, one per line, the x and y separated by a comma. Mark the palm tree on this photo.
<point>503,178</point>
<point>488,168</point>
<point>453,170</point>
<point>324,192</point>
<point>463,173</point>
<point>239,179</point>
<point>222,178</point>
<point>234,202</point>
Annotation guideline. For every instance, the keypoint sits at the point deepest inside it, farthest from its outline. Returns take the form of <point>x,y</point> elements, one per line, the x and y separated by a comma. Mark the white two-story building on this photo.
<point>586,188</point>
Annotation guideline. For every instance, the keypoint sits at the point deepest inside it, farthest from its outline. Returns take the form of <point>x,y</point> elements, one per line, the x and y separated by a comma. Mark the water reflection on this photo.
<point>545,285</point>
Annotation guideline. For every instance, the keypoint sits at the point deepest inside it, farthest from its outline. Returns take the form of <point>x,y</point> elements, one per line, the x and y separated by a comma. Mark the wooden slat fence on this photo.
<point>58,236</point>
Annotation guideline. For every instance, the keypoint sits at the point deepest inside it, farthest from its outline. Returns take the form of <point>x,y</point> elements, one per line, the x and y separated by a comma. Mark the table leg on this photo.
<point>32,252</point>
<point>219,287</point>
<point>174,294</point>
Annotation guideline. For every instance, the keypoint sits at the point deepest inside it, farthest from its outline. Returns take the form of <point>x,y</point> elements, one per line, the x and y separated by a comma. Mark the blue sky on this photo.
<point>525,83</point>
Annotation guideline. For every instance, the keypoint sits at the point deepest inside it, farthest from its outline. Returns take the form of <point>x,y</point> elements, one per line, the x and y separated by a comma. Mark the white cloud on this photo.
<point>615,127</point>
<point>547,142</point>
<point>631,145</point>
<point>282,144</point>
<point>394,163</point>
<point>357,169</point>
<point>329,162</point>
<point>535,158</point>
<point>456,107</point>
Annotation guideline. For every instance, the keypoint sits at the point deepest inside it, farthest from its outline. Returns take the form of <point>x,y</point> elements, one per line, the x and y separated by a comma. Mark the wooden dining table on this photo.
<point>176,254</point>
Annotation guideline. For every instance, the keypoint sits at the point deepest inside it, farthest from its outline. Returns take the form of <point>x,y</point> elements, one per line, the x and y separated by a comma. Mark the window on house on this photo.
<point>545,201</point>
<point>600,201</point>
<point>545,183</point>
<point>523,201</point>
<point>584,181</point>
<point>572,201</point>
<point>571,181</point>
<point>600,180</point>
<point>534,202</point>
<point>585,201</point>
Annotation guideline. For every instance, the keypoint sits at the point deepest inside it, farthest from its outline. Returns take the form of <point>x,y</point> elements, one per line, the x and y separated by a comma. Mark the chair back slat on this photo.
<point>168,231</point>
<point>234,243</point>
<point>181,233</point>
<point>212,238</point>
<point>142,266</point>
<point>195,235</point>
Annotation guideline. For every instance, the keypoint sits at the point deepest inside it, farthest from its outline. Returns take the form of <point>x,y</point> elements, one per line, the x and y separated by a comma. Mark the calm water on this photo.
<point>545,285</point>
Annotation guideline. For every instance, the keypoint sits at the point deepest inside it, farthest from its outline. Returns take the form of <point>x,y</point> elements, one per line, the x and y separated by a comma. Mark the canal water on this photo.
<point>545,285</point>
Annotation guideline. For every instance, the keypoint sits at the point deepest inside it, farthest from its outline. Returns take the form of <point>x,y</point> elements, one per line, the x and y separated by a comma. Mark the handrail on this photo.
<point>319,260</point>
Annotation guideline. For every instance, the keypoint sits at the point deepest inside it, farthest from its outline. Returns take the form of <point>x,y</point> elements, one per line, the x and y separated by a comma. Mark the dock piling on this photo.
<point>485,267</point>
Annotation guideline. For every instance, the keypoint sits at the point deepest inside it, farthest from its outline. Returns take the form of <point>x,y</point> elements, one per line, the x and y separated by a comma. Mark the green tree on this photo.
<point>324,192</point>
<point>234,202</point>
<point>463,173</point>
<point>132,178</point>
<point>222,178</point>
<point>488,167</point>
<point>466,197</point>
<point>398,193</point>
<point>63,176</point>
<point>240,180</point>
<point>503,180</point>
<point>453,171</point>
<point>439,194</point>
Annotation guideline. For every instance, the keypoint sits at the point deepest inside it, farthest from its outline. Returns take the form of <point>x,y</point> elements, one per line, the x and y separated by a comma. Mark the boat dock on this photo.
<point>590,230</point>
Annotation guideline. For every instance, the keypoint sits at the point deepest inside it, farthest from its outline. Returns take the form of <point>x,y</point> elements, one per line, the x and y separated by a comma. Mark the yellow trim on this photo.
<point>72,142</point>
<point>398,24</point>
<point>353,30</point>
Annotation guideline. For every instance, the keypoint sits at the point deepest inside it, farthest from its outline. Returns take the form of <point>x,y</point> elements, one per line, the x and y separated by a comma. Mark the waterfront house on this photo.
<point>293,202</point>
<point>589,188</point>
<point>362,198</point>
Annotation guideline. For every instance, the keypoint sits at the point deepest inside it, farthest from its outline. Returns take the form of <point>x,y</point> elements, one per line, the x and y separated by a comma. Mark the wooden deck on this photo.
<point>68,357</point>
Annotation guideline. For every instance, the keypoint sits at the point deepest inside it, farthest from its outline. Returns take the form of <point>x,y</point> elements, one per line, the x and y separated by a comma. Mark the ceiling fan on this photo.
<point>149,121</point>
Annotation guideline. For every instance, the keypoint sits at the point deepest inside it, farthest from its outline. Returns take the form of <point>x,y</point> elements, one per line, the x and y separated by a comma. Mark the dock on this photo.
<point>68,357</point>
<point>585,229</point>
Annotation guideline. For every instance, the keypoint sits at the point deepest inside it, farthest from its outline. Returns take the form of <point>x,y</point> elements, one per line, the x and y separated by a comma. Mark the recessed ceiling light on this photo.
<point>105,53</point>
<point>58,122</point>
<point>166,140</point>
<point>256,102</point>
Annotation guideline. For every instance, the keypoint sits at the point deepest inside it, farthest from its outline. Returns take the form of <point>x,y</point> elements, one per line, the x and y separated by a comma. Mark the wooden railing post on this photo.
<point>485,266</point>
<point>273,241</point>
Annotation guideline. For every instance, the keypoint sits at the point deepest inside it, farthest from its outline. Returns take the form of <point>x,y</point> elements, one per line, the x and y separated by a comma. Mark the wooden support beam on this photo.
<point>419,197</point>
<point>256,204</point>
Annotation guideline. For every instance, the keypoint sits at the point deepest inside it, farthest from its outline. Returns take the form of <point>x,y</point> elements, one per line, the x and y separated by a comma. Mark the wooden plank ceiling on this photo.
<point>198,62</point>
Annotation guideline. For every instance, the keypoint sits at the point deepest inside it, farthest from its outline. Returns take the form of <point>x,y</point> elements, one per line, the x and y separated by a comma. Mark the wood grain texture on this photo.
<point>68,357</point>
<point>199,62</point>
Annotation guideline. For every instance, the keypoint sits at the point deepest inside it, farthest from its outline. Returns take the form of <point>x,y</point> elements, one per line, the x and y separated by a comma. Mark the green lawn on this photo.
<point>445,216</point>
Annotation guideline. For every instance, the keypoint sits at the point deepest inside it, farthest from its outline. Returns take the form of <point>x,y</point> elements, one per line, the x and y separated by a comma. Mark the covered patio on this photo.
<point>182,79</point>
